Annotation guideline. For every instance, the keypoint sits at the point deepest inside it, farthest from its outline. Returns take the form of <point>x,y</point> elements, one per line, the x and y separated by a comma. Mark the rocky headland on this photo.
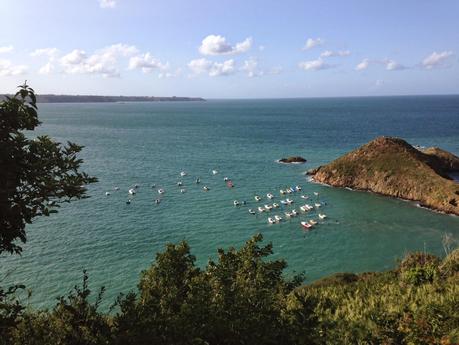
<point>392,167</point>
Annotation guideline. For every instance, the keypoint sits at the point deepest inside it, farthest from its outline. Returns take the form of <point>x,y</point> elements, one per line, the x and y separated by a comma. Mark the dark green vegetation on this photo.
<point>391,166</point>
<point>35,174</point>
<point>109,99</point>
<point>241,297</point>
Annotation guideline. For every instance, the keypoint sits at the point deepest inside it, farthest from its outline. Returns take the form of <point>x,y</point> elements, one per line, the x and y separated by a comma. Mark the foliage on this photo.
<point>36,174</point>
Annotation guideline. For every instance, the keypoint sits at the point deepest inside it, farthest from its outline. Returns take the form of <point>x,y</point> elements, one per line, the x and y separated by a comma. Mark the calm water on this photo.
<point>151,143</point>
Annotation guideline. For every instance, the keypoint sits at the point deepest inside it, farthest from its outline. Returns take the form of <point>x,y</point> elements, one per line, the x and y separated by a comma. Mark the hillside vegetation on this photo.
<point>391,166</point>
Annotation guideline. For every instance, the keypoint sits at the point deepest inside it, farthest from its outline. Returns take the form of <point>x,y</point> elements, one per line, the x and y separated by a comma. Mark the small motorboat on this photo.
<point>198,180</point>
<point>304,208</point>
<point>157,201</point>
<point>271,220</point>
<point>236,203</point>
<point>282,192</point>
<point>317,204</point>
<point>292,190</point>
<point>277,218</point>
<point>180,183</point>
<point>284,202</point>
<point>205,188</point>
<point>128,202</point>
<point>136,186</point>
<point>225,179</point>
<point>252,211</point>
<point>161,191</point>
<point>153,185</point>
<point>244,202</point>
<point>288,201</point>
<point>261,209</point>
<point>117,188</point>
<point>306,225</point>
<point>316,193</point>
<point>257,198</point>
<point>107,193</point>
<point>183,173</point>
<point>288,191</point>
<point>312,222</point>
<point>276,205</point>
<point>288,214</point>
<point>132,191</point>
<point>269,196</point>
<point>309,207</point>
<point>182,190</point>
<point>294,213</point>
<point>214,172</point>
<point>304,197</point>
<point>268,207</point>
<point>322,216</point>
<point>298,188</point>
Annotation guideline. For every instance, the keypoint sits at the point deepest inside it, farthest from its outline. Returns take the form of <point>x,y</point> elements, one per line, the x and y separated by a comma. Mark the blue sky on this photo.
<point>230,49</point>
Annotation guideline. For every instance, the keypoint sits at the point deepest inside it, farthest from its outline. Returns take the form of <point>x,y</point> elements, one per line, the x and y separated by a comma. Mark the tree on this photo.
<point>36,174</point>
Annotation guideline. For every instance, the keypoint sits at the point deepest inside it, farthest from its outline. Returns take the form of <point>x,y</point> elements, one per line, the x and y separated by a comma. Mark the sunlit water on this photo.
<point>146,143</point>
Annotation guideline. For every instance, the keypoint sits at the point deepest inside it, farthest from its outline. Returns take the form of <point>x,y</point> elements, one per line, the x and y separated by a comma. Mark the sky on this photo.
<point>230,48</point>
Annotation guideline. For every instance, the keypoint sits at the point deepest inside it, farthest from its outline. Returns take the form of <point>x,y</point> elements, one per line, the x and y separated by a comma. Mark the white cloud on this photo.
<point>103,61</point>
<point>107,3</point>
<point>46,69</point>
<point>213,69</point>
<point>330,53</point>
<point>363,65</point>
<point>6,49</point>
<point>8,69</point>
<point>261,48</point>
<point>313,42</point>
<point>314,65</point>
<point>146,62</point>
<point>50,52</point>
<point>217,45</point>
<point>167,75</point>
<point>392,65</point>
<point>436,59</point>
<point>251,67</point>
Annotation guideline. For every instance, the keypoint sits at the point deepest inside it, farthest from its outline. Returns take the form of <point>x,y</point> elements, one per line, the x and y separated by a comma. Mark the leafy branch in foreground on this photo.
<point>35,174</point>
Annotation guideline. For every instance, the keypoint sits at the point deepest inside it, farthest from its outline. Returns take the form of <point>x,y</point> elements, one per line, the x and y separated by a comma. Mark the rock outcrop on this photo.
<point>392,167</point>
<point>294,159</point>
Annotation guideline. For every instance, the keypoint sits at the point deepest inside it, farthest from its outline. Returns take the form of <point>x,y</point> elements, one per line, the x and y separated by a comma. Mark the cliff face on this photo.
<point>391,166</point>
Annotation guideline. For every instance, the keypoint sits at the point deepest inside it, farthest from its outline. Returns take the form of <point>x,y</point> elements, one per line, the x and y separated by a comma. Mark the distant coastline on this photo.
<point>50,98</point>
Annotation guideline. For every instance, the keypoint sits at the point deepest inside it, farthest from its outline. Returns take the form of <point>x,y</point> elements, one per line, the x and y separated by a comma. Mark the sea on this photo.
<point>150,144</point>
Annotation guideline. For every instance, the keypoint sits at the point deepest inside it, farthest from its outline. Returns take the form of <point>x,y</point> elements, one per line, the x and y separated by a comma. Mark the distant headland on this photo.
<point>392,167</point>
<point>50,98</point>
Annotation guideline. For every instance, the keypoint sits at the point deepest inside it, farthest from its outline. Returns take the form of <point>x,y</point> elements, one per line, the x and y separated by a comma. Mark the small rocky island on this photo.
<point>392,167</point>
<point>293,159</point>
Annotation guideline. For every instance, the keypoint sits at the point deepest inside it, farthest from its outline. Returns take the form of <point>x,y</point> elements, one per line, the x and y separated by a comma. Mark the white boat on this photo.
<point>304,197</point>
<point>225,179</point>
<point>278,218</point>
<point>288,214</point>
<point>297,188</point>
<point>206,189</point>
<point>157,201</point>
<point>198,180</point>
<point>316,193</point>
<point>136,186</point>
<point>271,220</point>
<point>261,209</point>
<point>306,225</point>
<point>268,207</point>
<point>276,205</point>
<point>179,183</point>
<point>160,191</point>
<point>107,193</point>
<point>282,192</point>
<point>294,213</point>
<point>284,202</point>
<point>312,222</point>
<point>236,203</point>
<point>322,216</point>
<point>304,208</point>
<point>288,191</point>
<point>182,190</point>
<point>153,185</point>
<point>269,196</point>
<point>289,201</point>
<point>128,202</point>
<point>291,190</point>
<point>309,207</point>
<point>117,188</point>
<point>317,204</point>
<point>132,191</point>
<point>251,211</point>
<point>214,172</point>
<point>183,173</point>
<point>257,198</point>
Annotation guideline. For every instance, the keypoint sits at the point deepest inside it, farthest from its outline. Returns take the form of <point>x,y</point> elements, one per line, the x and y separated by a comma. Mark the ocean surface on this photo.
<point>151,143</point>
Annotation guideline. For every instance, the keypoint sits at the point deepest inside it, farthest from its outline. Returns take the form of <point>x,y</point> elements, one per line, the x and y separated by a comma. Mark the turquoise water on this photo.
<point>146,143</point>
